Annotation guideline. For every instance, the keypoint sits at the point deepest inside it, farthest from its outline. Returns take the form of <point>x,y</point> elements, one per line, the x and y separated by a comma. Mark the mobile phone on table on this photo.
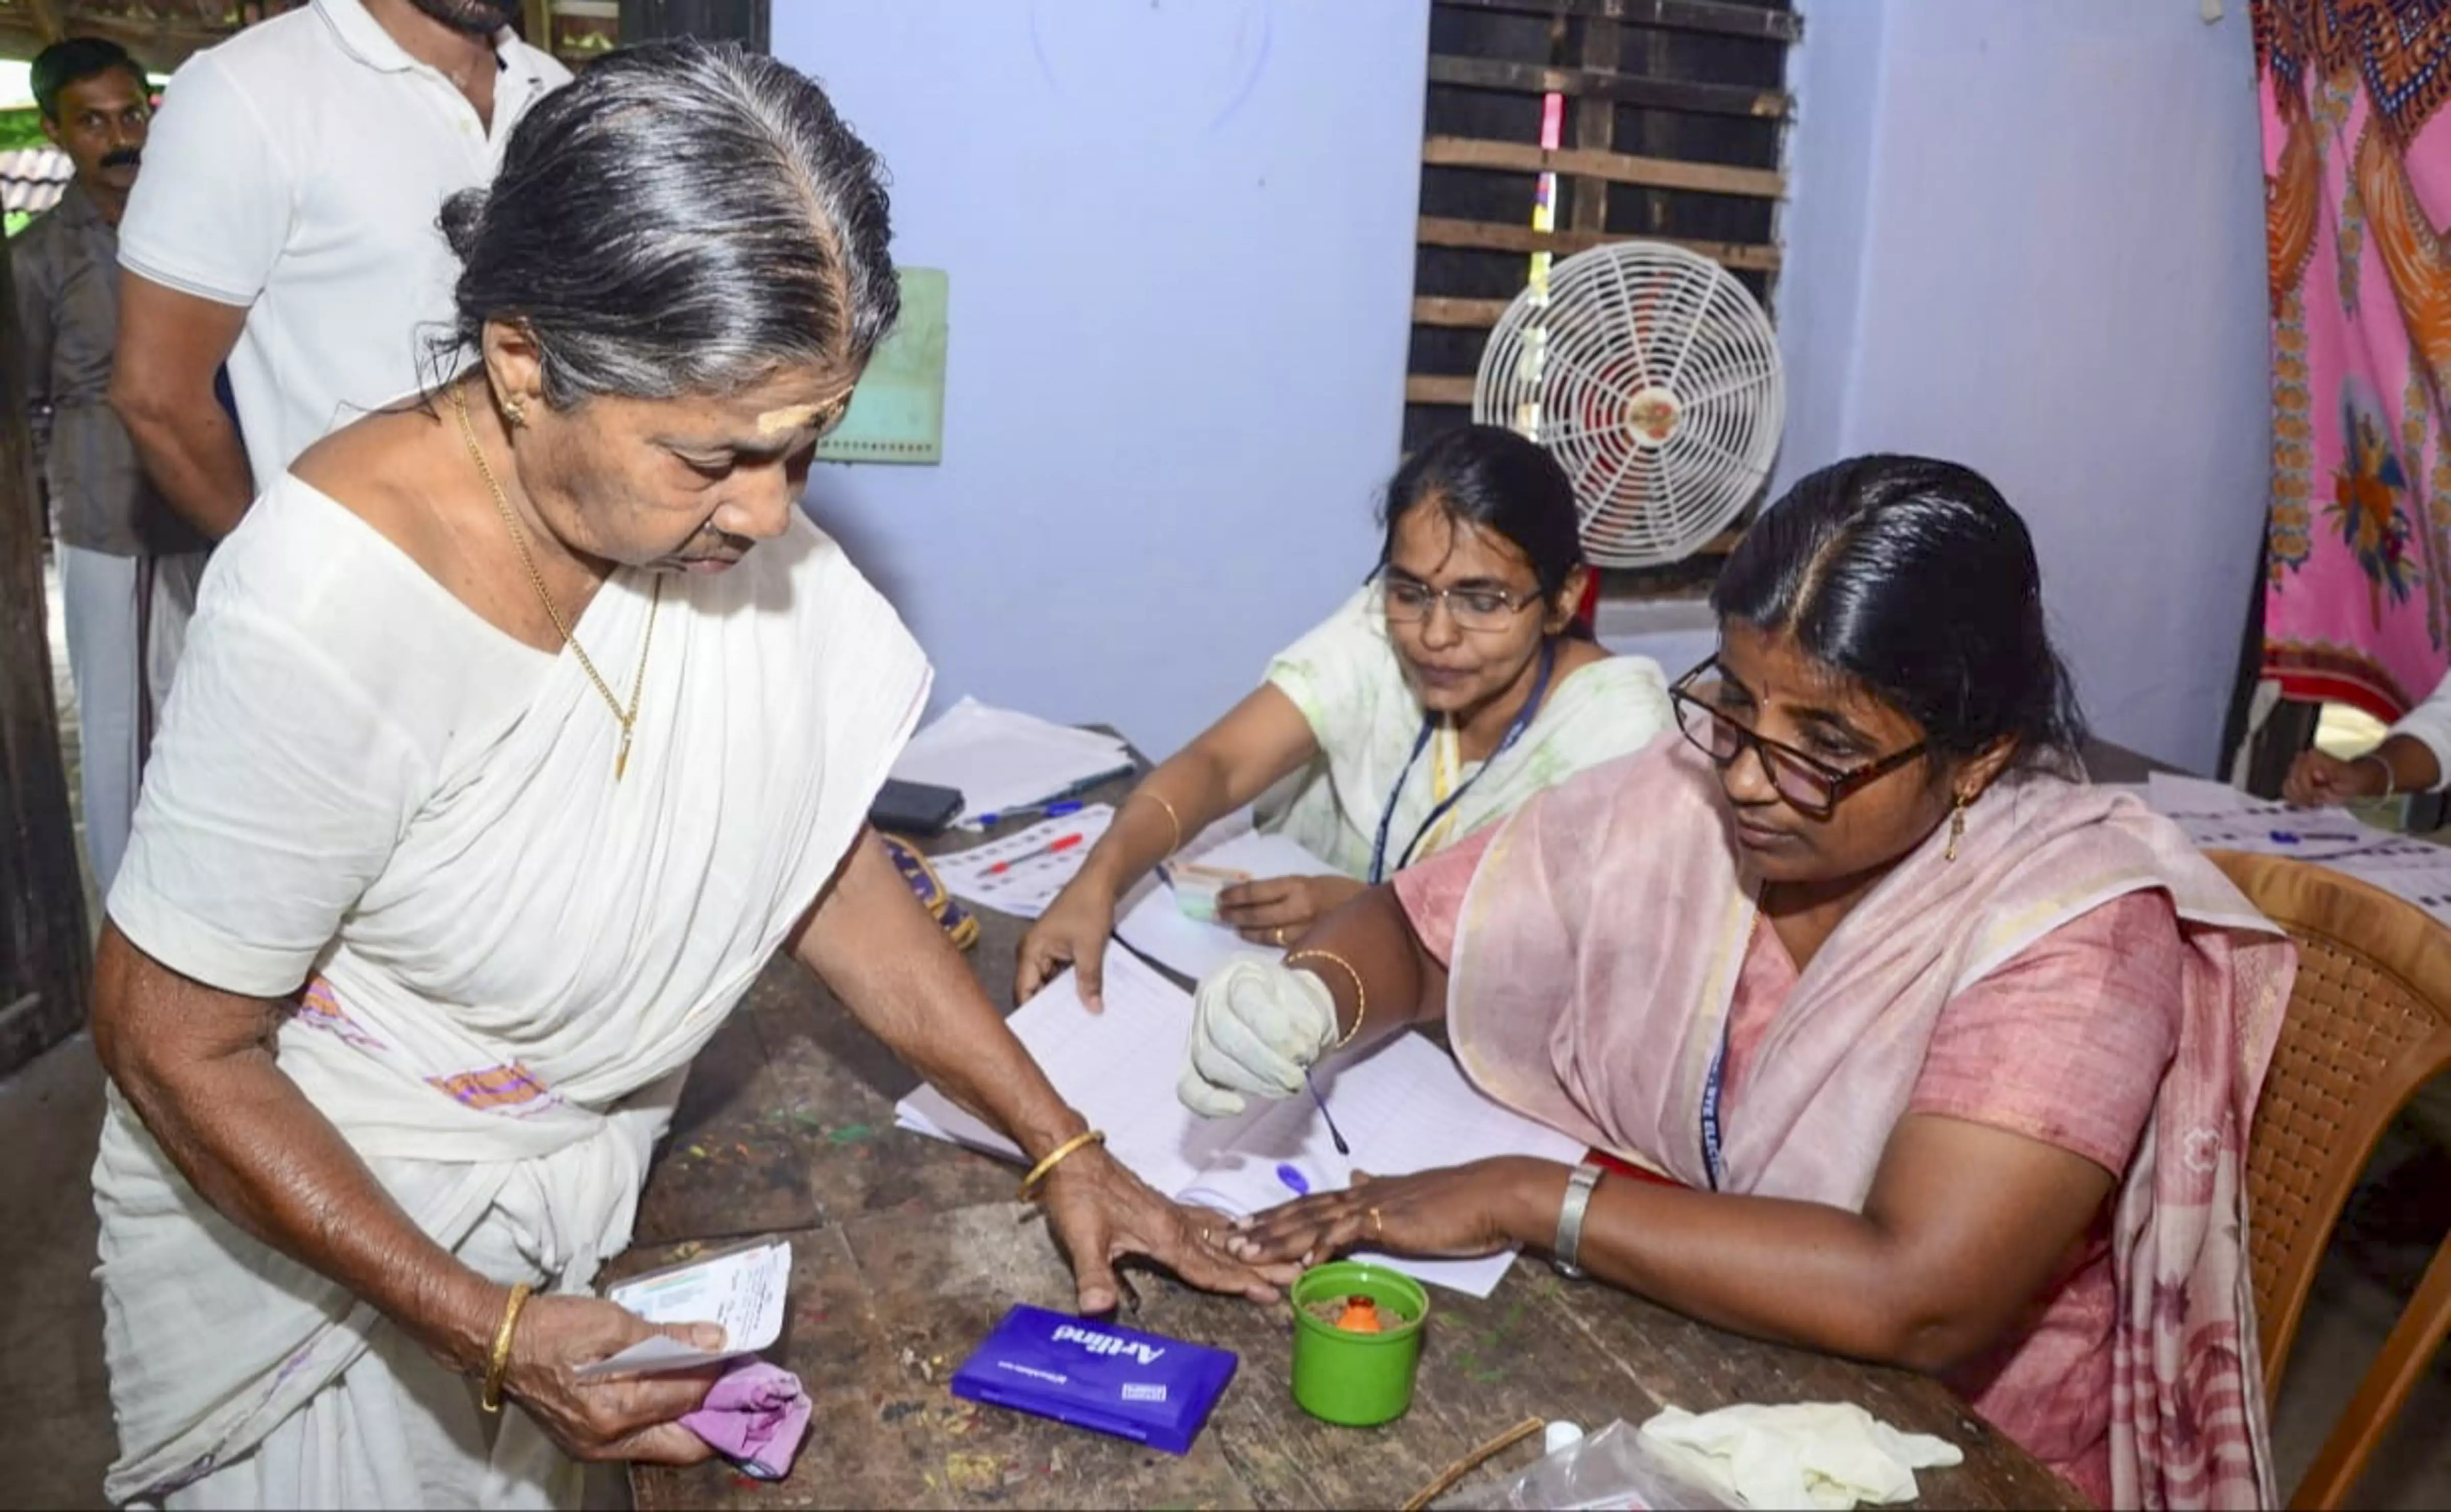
<point>920,808</point>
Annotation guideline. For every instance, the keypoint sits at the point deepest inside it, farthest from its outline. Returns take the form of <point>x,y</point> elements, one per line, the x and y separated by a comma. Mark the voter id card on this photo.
<point>743,1290</point>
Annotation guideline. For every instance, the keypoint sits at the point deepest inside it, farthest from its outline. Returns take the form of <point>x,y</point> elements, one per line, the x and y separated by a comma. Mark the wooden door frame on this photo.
<point>46,953</point>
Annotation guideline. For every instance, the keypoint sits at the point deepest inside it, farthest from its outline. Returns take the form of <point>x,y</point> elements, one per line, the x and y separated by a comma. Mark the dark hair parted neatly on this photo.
<point>1915,579</point>
<point>684,218</point>
<point>1490,476</point>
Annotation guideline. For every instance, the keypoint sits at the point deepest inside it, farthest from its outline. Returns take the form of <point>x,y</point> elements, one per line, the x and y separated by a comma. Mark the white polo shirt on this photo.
<point>297,170</point>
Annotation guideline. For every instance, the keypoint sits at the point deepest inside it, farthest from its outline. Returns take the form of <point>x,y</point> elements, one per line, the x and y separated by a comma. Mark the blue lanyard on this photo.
<point>1523,721</point>
<point>1712,1081</point>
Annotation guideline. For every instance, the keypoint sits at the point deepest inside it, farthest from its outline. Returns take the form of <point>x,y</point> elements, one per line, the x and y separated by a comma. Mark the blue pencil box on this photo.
<point>1135,1385</point>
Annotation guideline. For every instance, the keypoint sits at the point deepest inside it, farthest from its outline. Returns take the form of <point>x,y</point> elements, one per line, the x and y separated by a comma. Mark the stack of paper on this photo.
<point>1403,1108</point>
<point>1000,758</point>
<point>1153,924</point>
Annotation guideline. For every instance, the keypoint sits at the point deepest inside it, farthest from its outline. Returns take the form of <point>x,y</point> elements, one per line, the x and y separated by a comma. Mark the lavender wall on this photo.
<point>1180,240</point>
<point>2026,236</point>
<point>2029,238</point>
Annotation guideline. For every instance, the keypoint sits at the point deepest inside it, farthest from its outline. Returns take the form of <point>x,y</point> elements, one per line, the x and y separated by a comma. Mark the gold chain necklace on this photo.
<point>552,611</point>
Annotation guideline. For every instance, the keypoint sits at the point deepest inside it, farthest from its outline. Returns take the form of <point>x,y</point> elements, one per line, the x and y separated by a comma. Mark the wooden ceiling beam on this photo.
<point>46,21</point>
<point>159,44</point>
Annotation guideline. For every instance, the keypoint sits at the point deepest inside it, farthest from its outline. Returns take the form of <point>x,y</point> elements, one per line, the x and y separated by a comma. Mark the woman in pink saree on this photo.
<point>1948,1058</point>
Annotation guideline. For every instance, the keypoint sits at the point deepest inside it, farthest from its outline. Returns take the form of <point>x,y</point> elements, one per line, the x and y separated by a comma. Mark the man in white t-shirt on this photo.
<point>285,224</point>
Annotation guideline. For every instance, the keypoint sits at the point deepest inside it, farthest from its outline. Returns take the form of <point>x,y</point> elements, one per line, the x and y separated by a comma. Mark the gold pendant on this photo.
<point>621,757</point>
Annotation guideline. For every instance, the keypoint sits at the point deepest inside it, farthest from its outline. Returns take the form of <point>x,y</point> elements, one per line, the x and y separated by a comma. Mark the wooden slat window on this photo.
<point>580,31</point>
<point>1674,120</point>
<point>745,21</point>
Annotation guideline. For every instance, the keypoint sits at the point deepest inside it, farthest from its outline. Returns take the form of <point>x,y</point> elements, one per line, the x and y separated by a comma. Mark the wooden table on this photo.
<point>906,1251</point>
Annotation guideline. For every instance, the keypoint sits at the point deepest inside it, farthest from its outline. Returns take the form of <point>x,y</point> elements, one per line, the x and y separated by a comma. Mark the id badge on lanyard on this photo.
<point>1522,723</point>
<point>1713,1081</point>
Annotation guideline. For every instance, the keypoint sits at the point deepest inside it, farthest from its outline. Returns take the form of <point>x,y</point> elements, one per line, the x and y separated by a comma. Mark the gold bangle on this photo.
<point>501,1365</point>
<point>1055,1157</point>
<point>1171,818</point>
<point>1360,994</point>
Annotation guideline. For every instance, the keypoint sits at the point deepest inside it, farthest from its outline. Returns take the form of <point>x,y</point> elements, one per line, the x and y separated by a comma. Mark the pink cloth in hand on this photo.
<point>754,1417</point>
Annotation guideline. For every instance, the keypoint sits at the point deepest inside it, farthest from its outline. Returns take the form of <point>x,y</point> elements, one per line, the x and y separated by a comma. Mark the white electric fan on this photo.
<point>1655,378</point>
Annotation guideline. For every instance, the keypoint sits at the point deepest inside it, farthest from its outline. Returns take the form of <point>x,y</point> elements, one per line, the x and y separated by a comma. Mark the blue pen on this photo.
<point>1044,811</point>
<point>1065,802</point>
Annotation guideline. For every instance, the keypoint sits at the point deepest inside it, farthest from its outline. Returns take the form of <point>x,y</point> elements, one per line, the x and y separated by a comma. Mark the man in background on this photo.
<point>287,226</point>
<point>128,563</point>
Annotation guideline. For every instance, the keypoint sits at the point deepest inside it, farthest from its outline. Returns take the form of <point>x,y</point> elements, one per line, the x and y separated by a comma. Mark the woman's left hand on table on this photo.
<point>1100,1212</point>
<point>1455,1212</point>
<point>1276,910</point>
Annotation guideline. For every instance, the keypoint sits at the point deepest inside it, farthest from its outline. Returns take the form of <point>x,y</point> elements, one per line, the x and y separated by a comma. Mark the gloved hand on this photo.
<point>1256,1027</point>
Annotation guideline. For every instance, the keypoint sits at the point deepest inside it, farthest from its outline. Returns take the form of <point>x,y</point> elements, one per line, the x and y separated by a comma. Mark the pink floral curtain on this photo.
<point>2358,177</point>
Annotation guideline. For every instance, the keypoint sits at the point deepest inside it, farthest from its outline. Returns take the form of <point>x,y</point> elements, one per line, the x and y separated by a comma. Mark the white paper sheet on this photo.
<point>1032,880</point>
<point>2218,817</point>
<point>1002,758</point>
<point>1117,1067</point>
<point>743,1290</point>
<point>1157,926</point>
<point>1404,1108</point>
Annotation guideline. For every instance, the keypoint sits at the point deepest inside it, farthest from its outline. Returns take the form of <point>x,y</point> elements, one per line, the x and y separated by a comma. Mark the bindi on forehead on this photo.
<point>1781,674</point>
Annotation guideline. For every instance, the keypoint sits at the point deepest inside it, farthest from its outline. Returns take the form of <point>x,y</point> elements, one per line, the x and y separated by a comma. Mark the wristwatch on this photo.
<point>1569,1241</point>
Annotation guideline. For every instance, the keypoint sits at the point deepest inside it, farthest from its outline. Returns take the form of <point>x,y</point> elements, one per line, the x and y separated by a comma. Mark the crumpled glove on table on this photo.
<point>1801,1454</point>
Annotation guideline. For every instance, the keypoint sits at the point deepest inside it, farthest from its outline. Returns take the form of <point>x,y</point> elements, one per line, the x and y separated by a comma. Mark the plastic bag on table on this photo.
<point>1612,1468</point>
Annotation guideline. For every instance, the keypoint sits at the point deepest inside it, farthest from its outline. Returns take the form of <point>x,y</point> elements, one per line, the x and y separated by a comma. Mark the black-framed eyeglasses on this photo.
<point>1810,786</point>
<point>1407,602</point>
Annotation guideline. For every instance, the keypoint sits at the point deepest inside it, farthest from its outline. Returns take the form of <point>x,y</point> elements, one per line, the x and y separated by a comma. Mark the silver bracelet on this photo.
<point>1569,1243</point>
<point>2390,780</point>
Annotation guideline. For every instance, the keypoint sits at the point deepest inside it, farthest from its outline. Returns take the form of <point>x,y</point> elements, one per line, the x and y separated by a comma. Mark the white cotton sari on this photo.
<point>509,956</point>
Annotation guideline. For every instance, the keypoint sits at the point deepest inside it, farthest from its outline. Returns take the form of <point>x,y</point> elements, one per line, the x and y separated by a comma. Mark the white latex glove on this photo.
<point>1801,1454</point>
<point>1256,1027</point>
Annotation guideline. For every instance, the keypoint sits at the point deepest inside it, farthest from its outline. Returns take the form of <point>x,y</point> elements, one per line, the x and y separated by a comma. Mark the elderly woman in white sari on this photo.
<point>521,726</point>
<point>1940,1057</point>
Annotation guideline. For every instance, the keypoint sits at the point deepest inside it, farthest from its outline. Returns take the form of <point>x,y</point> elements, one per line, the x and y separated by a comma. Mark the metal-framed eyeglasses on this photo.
<point>1408,601</point>
<point>1810,786</point>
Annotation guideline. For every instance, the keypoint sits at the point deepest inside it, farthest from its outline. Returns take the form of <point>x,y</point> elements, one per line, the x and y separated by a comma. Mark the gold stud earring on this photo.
<point>515,412</point>
<point>1956,828</point>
